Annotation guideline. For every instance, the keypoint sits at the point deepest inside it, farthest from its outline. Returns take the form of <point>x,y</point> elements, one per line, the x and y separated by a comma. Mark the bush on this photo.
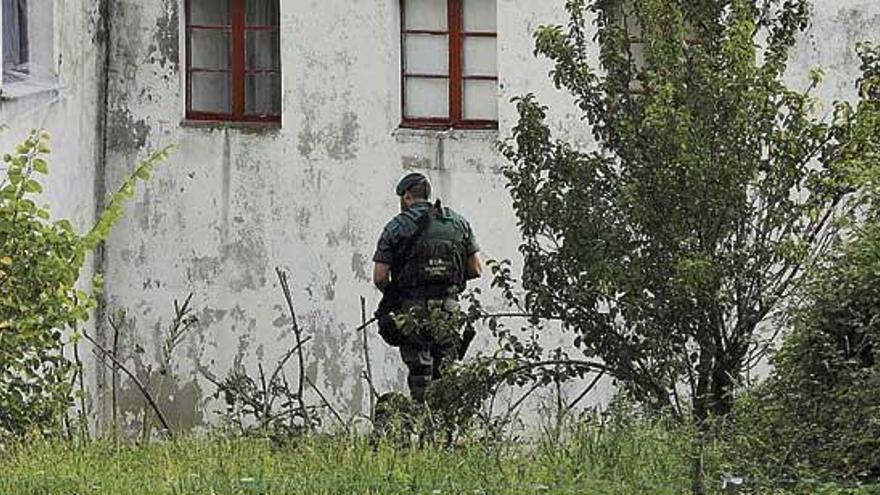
<point>40,263</point>
<point>39,266</point>
<point>819,412</point>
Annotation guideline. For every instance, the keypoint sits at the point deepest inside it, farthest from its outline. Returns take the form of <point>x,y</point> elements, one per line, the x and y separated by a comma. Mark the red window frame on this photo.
<point>238,71</point>
<point>456,77</point>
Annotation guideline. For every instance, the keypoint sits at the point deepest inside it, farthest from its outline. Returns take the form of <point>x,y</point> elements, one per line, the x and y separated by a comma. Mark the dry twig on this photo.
<point>146,393</point>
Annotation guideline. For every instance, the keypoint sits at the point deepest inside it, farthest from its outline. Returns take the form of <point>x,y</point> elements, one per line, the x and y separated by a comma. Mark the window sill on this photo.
<point>223,124</point>
<point>409,134</point>
<point>29,88</point>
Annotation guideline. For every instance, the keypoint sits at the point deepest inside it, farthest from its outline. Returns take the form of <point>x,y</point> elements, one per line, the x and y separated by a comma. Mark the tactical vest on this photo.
<point>435,266</point>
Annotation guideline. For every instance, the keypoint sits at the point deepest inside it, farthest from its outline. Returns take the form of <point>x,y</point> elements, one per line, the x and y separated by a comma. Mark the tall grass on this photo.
<point>632,457</point>
<point>597,460</point>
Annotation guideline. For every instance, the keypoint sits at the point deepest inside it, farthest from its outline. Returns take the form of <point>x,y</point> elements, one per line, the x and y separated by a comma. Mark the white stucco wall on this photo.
<point>310,197</point>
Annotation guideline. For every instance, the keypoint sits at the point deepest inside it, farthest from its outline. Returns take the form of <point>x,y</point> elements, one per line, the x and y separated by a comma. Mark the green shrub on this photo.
<point>819,412</point>
<point>40,263</point>
<point>39,266</point>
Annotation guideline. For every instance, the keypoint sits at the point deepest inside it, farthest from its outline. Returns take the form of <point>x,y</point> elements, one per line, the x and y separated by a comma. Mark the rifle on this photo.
<point>467,337</point>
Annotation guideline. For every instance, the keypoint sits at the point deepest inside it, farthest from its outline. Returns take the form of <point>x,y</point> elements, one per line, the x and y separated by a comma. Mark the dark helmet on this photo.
<point>409,181</point>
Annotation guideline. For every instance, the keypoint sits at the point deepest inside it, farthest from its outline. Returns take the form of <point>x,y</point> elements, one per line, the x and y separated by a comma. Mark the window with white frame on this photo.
<point>449,63</point>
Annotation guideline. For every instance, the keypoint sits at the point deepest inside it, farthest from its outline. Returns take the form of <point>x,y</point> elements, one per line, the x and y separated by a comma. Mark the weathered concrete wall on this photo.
<point>312,196</point>
<point>67,107</point>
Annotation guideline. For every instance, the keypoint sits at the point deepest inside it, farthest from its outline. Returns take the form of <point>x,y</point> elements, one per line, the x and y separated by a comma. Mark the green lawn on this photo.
<point>640,459</point>
<point>644,461</point>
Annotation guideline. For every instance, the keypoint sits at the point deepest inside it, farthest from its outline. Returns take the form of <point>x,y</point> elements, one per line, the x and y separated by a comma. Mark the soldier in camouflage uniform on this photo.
<point>429,266</point>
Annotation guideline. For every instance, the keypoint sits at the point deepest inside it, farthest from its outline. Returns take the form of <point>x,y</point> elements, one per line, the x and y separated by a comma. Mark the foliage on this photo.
<point>818,412</point>
<point>263,407</point>
<point>40,263</point>
<point>713,187</point>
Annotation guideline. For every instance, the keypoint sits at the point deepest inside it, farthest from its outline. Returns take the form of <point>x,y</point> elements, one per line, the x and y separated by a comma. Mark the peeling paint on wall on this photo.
<point>124,132</point>
<point>856,26</point>
<point>415,162</point>
<point>342,142</point>
<point>165,49</point>
<point>359,263</point>
<point>181,402</point>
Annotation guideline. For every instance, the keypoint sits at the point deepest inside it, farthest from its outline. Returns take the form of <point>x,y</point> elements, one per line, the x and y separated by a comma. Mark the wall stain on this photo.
<point>342,142</point>
<point>210,316</point>
<point>855,23</point>
<point>241,264</point>
<point>124,133</point>
<point>309,137</point>
<point>179,400</point>
<point>241,352</point>
<point>225,187</point>
<point>203,269</point>
<point>359,264</point>
<point>329,288</point>
<point>415,162</point>
<point>339,140</point>
<point>303,219</point>
<point>284,322</point>
<point>248,257</point>
<point>348,233</point>
<point>327,351</point>
<point>165,48</point>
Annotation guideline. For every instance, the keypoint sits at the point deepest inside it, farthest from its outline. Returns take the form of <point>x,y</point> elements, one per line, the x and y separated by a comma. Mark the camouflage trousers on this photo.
<point>432,330</point>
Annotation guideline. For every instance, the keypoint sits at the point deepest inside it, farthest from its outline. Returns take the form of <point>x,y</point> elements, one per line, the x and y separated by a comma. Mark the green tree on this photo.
<point>40,263</point>
<point>713,186</point>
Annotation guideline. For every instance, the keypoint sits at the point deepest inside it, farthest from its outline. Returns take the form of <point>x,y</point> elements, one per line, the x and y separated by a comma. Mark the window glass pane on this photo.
<point>210,49</point>
<point>209,12</point>
<point>480,16</point>
<point>14,39</point>
<point>263,94</point>
<point>262,50</point>
<point>480,57</point>
<point>425,14</point>
<point>427,97</point>
<point>480,100</point>
<point>638,51</point>
<point>263,12</point>
<point>639,54</point>
<point>210,92</point>
<point>621,13</point>
<point>427,54</point>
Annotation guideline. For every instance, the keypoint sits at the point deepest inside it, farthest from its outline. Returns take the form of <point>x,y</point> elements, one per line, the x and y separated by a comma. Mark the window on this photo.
<point>623,14</point>
<point>15,40</point>
<point>233,60</point>
<point>27,36</point>
<point>449,63</point>
<point>620,13</point>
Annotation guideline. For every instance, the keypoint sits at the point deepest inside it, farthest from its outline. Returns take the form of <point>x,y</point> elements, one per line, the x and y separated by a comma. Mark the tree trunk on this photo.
<point>717,374</point>
<point>725,375</point>
<point>698,475</point>
<point>702,404</point>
